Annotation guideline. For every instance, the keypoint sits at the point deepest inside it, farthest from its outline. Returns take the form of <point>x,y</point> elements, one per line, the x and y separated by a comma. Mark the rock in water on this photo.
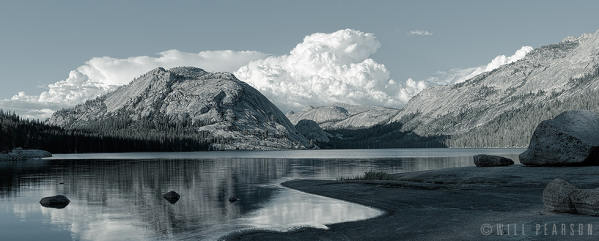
<point>571,138</point>
<point>482,160</point>
<point>311,130</point>
<point>586,201</point>
<point>217,108</point>
<point>58,201</point>
<point>172,197</point>
<point>233,199</point>
<point>556,196</point>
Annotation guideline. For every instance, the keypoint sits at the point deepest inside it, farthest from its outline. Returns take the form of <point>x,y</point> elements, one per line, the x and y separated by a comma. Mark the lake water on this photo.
<point>118,196</point>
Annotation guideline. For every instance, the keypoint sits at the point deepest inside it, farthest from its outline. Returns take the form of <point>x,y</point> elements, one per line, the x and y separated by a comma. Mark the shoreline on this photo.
<point>448,204</point>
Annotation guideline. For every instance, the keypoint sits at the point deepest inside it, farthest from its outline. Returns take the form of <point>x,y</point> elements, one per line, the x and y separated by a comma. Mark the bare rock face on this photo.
<point>58,201</point>
<point>586,201</point>
<point>483,160</point>
<point>571,138</point>
<point>188,100</point>
<point>311,130</point>
<point>344,116</point>
<point>556,196</point>
<point>514,97</point>
<point>172,197</point>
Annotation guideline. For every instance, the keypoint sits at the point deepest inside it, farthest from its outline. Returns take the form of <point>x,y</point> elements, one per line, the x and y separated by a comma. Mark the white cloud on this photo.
<point>325,68</point>
<point>420,33</point>
<point>453,76</point>
<point>460,75</point>
<point>101,74</point>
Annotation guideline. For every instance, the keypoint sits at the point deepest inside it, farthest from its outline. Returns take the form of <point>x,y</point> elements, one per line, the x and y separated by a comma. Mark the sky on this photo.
<point>402,46</point>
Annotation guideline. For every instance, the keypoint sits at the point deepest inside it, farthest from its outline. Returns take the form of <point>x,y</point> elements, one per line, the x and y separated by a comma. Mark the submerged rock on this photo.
<point>571,138</point>
<point>556,196</point>
<point>586,201</point>
<point>483,160</point>
<point>58,201</point>
<point>172,197</point>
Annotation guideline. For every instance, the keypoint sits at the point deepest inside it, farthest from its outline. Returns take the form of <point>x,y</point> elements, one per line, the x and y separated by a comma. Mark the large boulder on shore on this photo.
<point>483,160</point>
<point>571,138</point>
<point>58,201</point>
<point>556,196</point>
<point>586,201</point>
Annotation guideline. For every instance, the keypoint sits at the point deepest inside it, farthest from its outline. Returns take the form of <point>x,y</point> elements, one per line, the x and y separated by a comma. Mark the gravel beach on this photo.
<point>467,203</point>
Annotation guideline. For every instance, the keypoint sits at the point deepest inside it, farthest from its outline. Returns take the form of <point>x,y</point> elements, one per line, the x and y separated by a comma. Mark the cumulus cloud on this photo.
<point>325,68</point>
<point>101,74</point>
<point>460,75</point>
<point>420,33</point>
<point>453,76</point>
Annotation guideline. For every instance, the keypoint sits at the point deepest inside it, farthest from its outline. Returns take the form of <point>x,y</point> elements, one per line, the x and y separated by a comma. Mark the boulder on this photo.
<point>483,160</point>
<point>571,138</point>
<point>58,201</point>
<point>172,197</point>
<point>556,196</point>
<point>586,201</point>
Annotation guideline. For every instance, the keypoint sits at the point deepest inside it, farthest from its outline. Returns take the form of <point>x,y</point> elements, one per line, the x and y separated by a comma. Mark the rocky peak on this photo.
<point>555,78</point>
<point>231,110</point>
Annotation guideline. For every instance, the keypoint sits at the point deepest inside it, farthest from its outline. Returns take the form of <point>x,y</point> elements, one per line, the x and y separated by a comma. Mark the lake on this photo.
<point>118,196</point>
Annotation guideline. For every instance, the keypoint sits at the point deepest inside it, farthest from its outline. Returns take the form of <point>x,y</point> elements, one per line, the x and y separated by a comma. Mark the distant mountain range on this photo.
<point>499,108</point>
<point>190,102</point>
<point>343,116</point>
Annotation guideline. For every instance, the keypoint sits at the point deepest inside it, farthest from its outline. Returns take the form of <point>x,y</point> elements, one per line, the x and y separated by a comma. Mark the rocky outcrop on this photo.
<point>189,101</point>
<point>571,138</point>
<point>561,196</point>
<point>501,108</point>
<point>586,201</point>
<point>58,201</point>
<point>483,160</point>
<point>343,116</point>
<point>556,196</point>
<point>311,130</point>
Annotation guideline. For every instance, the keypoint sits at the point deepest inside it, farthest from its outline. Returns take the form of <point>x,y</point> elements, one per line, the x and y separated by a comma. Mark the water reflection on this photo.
<point>122,199</point>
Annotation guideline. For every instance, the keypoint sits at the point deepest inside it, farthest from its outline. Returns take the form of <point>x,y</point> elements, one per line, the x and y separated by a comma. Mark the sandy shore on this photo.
<point>451,204</point>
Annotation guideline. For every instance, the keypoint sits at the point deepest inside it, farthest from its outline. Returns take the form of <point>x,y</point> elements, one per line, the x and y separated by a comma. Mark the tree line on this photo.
<point>107,137</point>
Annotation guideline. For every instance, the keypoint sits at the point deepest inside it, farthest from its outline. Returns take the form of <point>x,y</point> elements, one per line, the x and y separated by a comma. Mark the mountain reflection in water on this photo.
<point>122,199</point>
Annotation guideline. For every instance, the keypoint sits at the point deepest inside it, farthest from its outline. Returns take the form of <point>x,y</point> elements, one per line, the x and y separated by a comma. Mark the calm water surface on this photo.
<point>118,196</point>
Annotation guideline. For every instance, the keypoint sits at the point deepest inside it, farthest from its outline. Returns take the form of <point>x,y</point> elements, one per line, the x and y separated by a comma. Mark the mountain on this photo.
<point>501,108</point>
<point>187,102</point>
<point>343,116</point>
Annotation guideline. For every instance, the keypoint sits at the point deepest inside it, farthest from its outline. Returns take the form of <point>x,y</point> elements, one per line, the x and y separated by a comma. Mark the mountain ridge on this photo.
<point>562,76</point>
<point>227,112</point>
